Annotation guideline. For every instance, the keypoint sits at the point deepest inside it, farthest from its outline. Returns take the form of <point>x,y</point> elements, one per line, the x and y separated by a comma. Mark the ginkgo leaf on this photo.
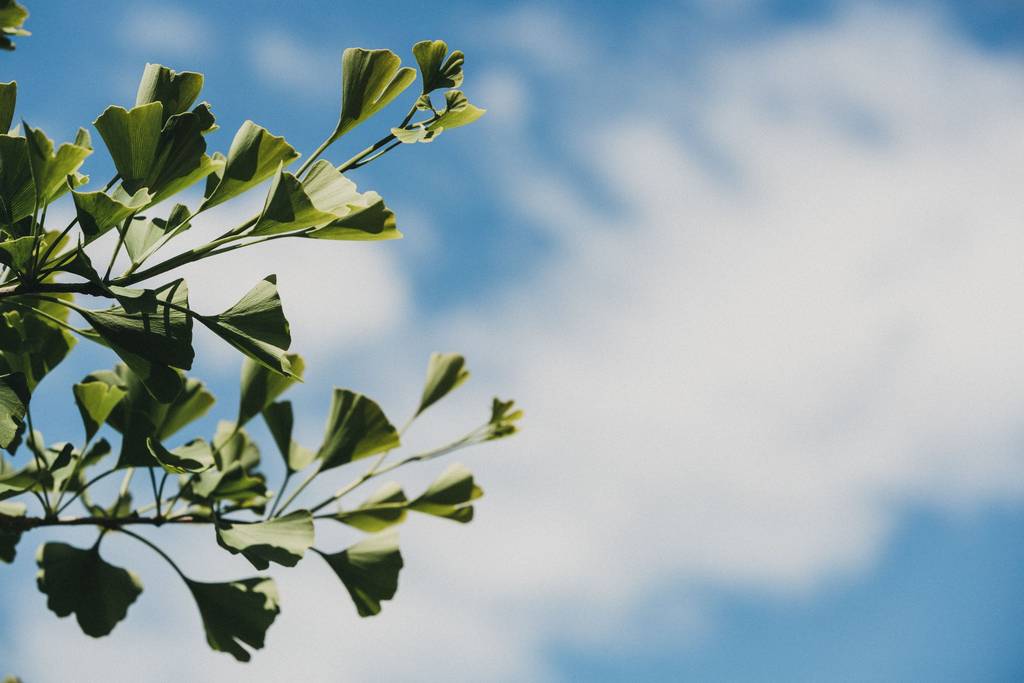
<point>280,421</point>
<point>254,156</point>
<point>370,80</point>
<point>132,137</point>
<point>12,17</point>
<point>449,496</point>
<point>80,582</point>
<point>321,197</point>
<point>369,569</point>
<point>386,507</point>
<point>357,428</point>
<point>98,211</point>
<point>145,236</point>
<point>283,540</point>
<point>17,188</point>
<point>416,133</point>
<point>256,326</point>
<point>152,339</point>
<point>458,112</point>
<point>176,91</point>
<point>95,401</point>
<point>368,219</point>
<point>236,613</point>
<point>9,538</point>
<point>194,457</point>
<point>436,71</point>
<point>260,386</point>
<point>14,398</point>
<point>50,169</point>
<point>8,98</point>
<point>445,372</point>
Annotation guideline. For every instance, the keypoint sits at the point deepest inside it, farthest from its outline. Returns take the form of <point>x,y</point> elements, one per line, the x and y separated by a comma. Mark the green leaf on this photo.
<point>357,428</point>
<point>369,569</point>
<point>17,188</point>
<point>81,582</point>
<point>175,91</point>
<point>31,344</point>
<point>445,372</point>
<point>9,538</point>
<point>152,338</point>
<point>98,211</point>
<point>50,170</point>
<point>192,458</point>
<point>283,540</point>
<point>416,133</point>
<point>236,613</point>
<point>8,98</point>
<point>449,496</point>
<point>370,80</point>
<point>458,112</point>
<point>235,480</point>
<point>384,508</point>
<point>436,71</point>
<point>133,140</point>
<point>95,401</point>
<point>261,385</point>
<point>254,156</point>
<point>139,416</point>
<point>279,419</point>
<point>12,16</point>
<point>503,419</point>
<point>14,398</point>
<point>256,326</point>
<point>145,236</point>
<point>368,219</point>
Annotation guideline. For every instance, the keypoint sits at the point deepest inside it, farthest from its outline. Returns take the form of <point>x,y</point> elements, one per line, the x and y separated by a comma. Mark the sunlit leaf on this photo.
<point>254,156</point>
<point>98,211</point>
<point>386,507</point>
<point>445,372</point>
<point>450,495</point>
<point>283,540</point>
<point>176,91</point>
<point>14,398</point>
<point>458,112</point>
<point>81,582</point>
<point>17,188</point>
<point>192,458</point>
<point>436,71</point>
<point>357,428</point>
<point>256,326</point>
<point>95,401</point>
<point>371,79</point>
<point>50,169</point>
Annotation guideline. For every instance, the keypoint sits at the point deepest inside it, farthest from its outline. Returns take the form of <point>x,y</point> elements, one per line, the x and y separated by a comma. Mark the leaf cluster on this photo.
<point>133,415</point>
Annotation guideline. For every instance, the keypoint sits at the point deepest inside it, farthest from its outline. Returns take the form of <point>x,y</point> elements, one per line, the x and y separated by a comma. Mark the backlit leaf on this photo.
<point>369,569</point>
<point>283,540</point>
<point>254,156</point>
<point>371,79</point>
<point>357,428</point>
<point>445,372</point>
<point>236,613</point>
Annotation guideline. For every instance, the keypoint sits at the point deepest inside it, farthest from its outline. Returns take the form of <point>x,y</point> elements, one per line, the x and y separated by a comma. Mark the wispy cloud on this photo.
<point>284,61</point>
<point>164,29</point>
<point>737,379</point>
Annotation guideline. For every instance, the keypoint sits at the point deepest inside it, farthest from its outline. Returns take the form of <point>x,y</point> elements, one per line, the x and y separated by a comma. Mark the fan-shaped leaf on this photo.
<point>256,326</point>
<point>458,112</point>
<point>8,98</point>
<point>95,401</point>
<point>236,613</point>
<point>369,569</point>
<point>175,91</point>
<point>194,457</point>
<point>384,508</point>
<point>279,419</point>
<point>254,156</point>
<point>14,398</point>
<point>50,169</point>
<point>436,71</point>
<point>449,496</point>
<point>370,80</point>
<point>357,428</point>
<point>261,385</point>
<point>81,582</point>
<point>98,211</point>
<point>445,372</point>
<point>283,540</point>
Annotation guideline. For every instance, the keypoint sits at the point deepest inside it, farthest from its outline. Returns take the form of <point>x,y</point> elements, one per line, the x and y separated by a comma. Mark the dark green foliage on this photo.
<point>159,147</point>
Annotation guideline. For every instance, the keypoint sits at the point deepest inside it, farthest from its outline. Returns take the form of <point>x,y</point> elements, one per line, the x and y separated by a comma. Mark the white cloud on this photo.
<point>164,29</point>
<point>284,61</point>
<point>737,378</point>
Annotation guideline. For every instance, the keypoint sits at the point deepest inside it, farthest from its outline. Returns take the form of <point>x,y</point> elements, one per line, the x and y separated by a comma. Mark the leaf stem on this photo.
<point>158,551</point>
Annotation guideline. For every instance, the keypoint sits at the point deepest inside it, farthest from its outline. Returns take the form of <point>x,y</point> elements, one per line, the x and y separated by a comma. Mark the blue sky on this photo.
<point>750,267</point>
